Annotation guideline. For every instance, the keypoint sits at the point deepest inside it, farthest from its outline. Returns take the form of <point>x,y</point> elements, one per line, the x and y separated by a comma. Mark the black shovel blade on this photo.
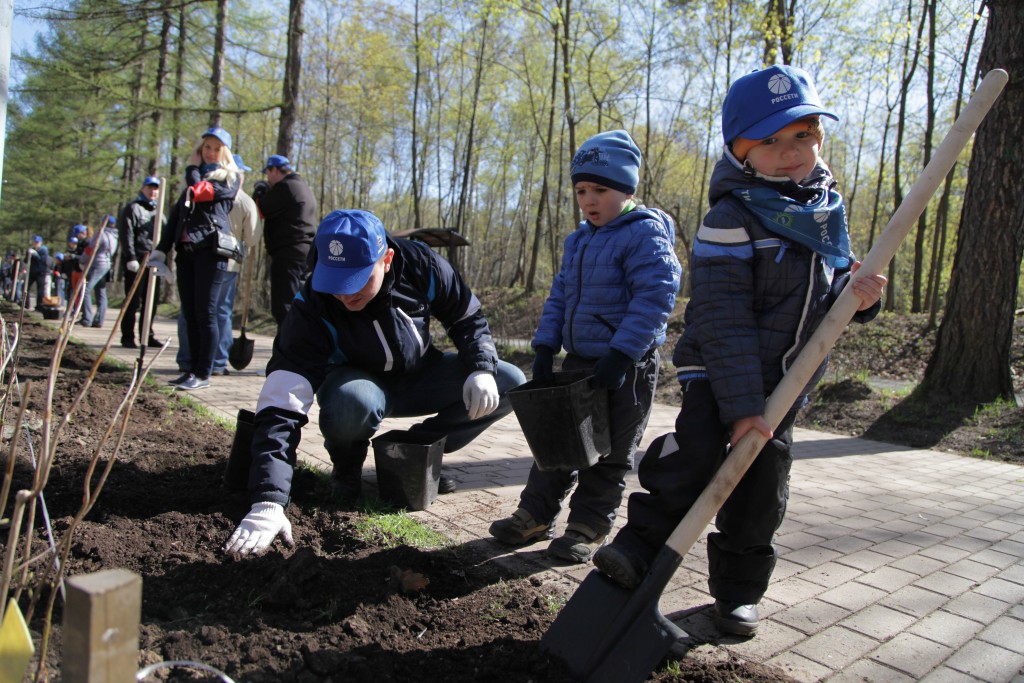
<point>240,353</point>
<point>609,634</point>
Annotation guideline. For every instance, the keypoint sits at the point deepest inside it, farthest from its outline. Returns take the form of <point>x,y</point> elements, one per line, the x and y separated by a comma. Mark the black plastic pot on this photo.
<point>565,420</point>
<point>408,467</point>
<point>236,472</point>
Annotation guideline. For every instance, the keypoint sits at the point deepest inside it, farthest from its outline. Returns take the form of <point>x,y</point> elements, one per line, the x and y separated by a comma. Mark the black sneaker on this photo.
<point>446,485</point>
<point>521,528</point>
<point>181,379</point>
<point>129,344</point>
<point>622,566</point>
<point>154,343</point>
<point>193,383</point>
<point>735,619</point>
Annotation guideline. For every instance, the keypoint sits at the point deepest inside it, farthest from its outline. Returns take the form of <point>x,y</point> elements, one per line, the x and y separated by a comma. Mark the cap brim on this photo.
<point>781,119</point>
<point>344,281</point>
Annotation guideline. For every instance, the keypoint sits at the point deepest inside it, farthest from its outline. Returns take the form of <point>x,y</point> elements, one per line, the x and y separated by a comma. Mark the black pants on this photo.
<point>599,488</point>
<point>137,304</point>
<point>201,274</point>
<point>741,555</point>
<point>287,273</point>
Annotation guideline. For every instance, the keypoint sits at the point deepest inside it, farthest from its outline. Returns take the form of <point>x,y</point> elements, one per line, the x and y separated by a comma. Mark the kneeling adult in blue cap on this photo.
<point>358,340</point>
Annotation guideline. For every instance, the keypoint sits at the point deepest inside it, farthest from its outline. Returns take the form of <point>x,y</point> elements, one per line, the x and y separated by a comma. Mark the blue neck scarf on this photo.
<point>818,224</point>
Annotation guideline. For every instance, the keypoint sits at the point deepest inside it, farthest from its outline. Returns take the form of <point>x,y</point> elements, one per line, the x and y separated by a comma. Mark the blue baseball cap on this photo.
<point>78,229</point>
<point>239,163</point>
<point>38,239</point>
<point>72,240</point>
<point>151,180</point>
<point>277,161</point>
<point>59,256</point>
<point>220,134</point>
<point>348,244</point>
<point>766,101</point>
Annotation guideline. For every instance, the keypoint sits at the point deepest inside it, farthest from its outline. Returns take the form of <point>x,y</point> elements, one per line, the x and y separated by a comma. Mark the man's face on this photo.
<point>274,175</point>
<point>359,300</point>
<point>151,192</point>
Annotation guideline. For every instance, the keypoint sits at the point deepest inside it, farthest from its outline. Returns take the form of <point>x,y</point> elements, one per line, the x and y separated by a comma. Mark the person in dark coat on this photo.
<point>358,341</point>
<point>290,216</point>
<point>136,229</point>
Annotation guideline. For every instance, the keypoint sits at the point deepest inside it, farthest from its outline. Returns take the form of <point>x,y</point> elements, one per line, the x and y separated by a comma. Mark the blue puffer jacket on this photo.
<point>615,289</point>
<point>391,336</point>
<point>755,298</point>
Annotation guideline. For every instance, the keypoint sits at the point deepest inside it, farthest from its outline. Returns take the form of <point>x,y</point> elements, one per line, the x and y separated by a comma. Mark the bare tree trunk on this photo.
<point>217,68</point>
<point>478,77</point>
<point>161,81</point>
<point>543,199</point>
<point>179,92</point>
<point>414,156</point>
<point>292,76</point>
<point>569,105</point>
<point>131,158</point>
<point>971,361</point>
<point>929,131</point>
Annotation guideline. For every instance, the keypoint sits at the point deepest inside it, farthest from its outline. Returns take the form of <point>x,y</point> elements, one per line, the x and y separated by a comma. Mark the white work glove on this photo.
<point>132,266</point>
<point>480,394</point>
<point>259,529</point>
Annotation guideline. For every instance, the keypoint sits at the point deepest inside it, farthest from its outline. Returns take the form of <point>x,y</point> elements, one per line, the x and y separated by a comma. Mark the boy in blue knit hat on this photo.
<point>608,308</point>
<point>772,255</point>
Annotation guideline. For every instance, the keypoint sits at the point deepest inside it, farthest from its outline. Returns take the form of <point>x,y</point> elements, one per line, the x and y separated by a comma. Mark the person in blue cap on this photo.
<point>38,259</point>
<point>358,341</point>
<point>759,289</point>
<point>290,216</point>
<point>136,228</point>
<point>608,308</point>
<point>197,227</point>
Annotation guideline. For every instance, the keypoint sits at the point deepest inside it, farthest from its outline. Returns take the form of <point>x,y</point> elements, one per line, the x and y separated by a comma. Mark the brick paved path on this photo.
<point>895,564</point>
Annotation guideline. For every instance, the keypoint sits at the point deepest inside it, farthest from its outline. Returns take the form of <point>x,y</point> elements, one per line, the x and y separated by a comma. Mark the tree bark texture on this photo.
<point>292,75</point>
<point>971,362</point>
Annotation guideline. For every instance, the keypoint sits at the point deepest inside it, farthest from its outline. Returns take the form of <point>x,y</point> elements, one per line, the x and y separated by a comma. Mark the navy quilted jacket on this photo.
<point>756,297</point>
<point>616,287</point>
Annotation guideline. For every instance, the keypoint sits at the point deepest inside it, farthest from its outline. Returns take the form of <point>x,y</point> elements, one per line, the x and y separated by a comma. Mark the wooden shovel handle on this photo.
<point>839,316</point>
<point>249,257</point>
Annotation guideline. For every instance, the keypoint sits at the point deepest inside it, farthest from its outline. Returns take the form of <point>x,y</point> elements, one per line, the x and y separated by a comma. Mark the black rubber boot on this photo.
<point>347,476</point>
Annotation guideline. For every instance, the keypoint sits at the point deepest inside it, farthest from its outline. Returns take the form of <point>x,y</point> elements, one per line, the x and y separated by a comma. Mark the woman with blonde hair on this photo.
<point>197,224</point>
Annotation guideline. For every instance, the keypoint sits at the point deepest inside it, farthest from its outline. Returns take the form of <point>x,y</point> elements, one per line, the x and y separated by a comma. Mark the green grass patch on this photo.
<point>384,526</point>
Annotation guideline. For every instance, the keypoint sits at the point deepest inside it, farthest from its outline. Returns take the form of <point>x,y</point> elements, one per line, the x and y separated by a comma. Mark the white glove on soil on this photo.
<point>132,266</point>
<point>480,394</point>
<point>259,529</point>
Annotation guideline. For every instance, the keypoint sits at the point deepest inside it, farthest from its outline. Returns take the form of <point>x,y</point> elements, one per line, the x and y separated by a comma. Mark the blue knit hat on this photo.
<point>611,159</point>
<point>348,245</point>
<point>766,101</point>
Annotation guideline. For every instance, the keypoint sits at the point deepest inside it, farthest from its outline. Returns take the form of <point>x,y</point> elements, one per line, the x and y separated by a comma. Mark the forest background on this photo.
<point>464,115</point>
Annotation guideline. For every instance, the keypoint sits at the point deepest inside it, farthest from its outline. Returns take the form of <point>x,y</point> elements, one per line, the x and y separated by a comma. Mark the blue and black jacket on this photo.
<point>391,336</point>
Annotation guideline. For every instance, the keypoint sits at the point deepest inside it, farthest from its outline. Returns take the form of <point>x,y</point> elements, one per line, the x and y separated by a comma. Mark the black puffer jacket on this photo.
<point>135,229</point>
<point>289,214</point>
<point>756,297</point>
<point>201,210</point>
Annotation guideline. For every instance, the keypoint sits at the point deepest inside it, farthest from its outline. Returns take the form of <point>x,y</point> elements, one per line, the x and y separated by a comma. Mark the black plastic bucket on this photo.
<point>236,473</point>
<point>565,420</point>
<point>408,467</point>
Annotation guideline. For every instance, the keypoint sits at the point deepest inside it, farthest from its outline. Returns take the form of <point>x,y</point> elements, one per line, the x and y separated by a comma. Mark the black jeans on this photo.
<point>599,488</point>
<point>741,555</point>
<point>137,304</point>
<point>201,273</point>
<point>287,273</point>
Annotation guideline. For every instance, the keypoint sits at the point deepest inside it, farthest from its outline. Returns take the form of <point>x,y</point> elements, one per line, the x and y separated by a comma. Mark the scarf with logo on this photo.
<point>818,223</point>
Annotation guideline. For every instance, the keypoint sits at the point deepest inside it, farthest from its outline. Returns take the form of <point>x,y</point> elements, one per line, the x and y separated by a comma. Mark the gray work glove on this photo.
<point>480,394</point>
<point>259,529</point>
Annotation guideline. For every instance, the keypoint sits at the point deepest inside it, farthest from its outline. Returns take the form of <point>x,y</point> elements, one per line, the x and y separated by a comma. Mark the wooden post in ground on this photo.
<point>101,627</point>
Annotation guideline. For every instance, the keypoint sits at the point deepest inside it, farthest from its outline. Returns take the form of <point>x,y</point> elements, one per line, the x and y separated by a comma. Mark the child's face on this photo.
<point>211,150</point>
<point>599,204</point>
<point>791,152</point>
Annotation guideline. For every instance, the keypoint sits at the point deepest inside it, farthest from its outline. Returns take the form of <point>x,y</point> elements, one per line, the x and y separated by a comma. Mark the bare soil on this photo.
<point>337,608</point>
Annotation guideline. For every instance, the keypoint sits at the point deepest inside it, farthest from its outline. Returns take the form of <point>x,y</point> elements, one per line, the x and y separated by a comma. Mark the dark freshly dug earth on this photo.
<point>335,609</point>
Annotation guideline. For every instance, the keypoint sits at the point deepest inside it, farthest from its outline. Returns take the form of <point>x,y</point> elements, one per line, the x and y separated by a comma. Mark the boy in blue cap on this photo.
<point>608,308</point>
<point>357,339</point>
<point>760,287</point>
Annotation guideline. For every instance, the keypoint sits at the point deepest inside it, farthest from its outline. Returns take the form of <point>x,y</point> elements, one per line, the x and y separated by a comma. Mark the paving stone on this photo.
<point>830,574</point>
<point>944,674</point>
<point>811,616</point>
<point>914,600</point>
<point>947,628</point>
<point>878,622</point>
<point>865,560</point>
<point>887,579</point>
<point>836,647</point>
<point>853,595</point>
<point>800,668</point>
<point>986,661</point>
<point>868,670</point>
<point>945,583</point>
<point>911,654</point>
<point>973,605</point>
<point>1007,633</point>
